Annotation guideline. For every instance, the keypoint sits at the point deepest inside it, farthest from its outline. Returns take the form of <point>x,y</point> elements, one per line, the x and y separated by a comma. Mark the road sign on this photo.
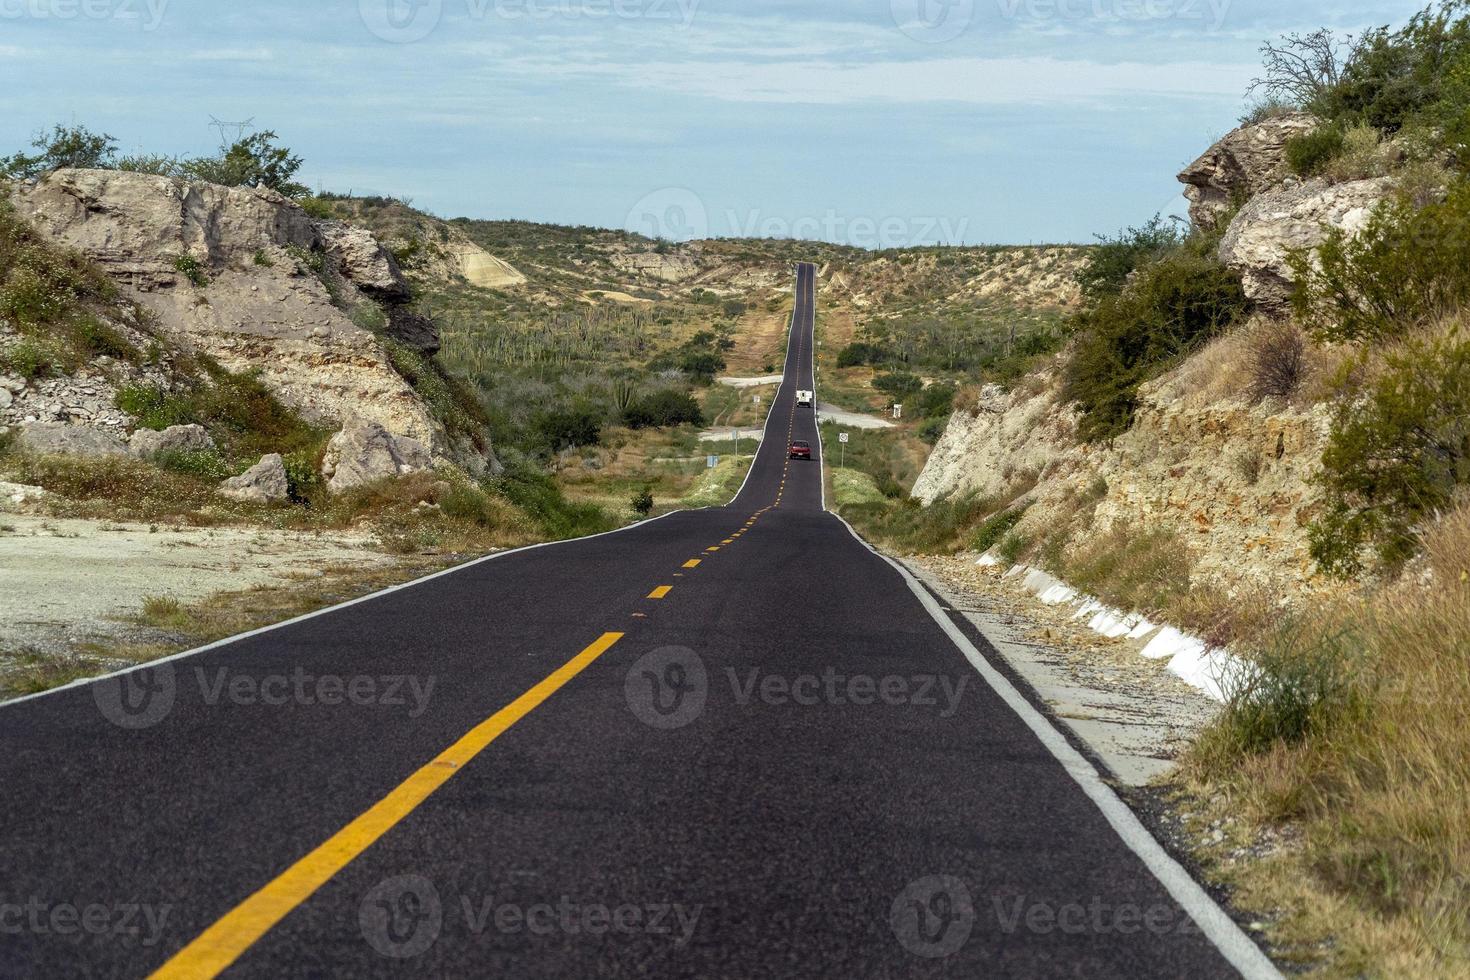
<point>842,438</point>
<point>898,411</point>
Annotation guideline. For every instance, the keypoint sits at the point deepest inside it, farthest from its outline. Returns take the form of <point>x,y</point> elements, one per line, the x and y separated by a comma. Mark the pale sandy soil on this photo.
<point>64,581</point>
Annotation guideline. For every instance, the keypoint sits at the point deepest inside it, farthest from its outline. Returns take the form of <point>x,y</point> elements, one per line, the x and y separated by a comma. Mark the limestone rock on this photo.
<point>365,451</point>
<point>72,440</point>
<point>263,483</point>
<point>364,261</point>
<point>1243,164</point>
<point>174,439</point>
<point>1263,234</point>
<point>263,310</point>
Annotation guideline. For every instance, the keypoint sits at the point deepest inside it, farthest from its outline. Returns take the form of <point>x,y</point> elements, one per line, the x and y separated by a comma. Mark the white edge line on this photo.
<point>83,682</point>
<point>816,394</point>
<point>1214,922</point>
<point>785,373</point>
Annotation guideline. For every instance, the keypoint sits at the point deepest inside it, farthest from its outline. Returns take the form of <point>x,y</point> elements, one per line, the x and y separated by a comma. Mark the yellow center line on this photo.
<point>708,550</point>
<point>223,943</point>
<point>692,563</point>
<point>728,541</point>
<point>660,592</point>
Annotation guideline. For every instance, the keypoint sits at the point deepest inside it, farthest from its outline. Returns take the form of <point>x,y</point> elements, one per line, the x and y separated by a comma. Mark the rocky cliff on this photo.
<point>247,277</point>
<point>1229,473</point>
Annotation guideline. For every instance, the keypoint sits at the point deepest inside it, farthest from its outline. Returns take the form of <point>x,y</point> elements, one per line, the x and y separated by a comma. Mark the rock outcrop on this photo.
<point>247,277</point>
<point>1265,232</point>
<point>48,438</point>
<point>363,261</point>
<point>175,439</point>
<point>1246,162</point>
<point>1234,481</point>
<point>263,483</point>
<point>364,452</point>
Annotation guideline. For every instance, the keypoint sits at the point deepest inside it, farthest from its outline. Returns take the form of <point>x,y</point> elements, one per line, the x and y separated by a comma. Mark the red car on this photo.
<point>801,450</point>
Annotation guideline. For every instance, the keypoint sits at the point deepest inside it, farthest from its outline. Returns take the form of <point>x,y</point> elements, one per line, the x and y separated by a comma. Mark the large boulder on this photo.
<point>175,439</point>
<point>1246,162</point>
<point>364,261</point>
<point>413,329</point>
<point>1262,236</point>
<point>263,483</point>
<point>365,451</point>
<point>56,438</point>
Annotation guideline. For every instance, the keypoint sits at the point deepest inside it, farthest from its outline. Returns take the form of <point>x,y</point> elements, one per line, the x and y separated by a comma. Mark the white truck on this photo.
<point>806,398</point>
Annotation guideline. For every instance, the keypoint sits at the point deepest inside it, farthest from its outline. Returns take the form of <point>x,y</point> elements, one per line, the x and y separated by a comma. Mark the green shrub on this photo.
<point>192,269</point>
<point>860,353</point>
<point>1113,260</point>
<point>1308,154</point>
<point>317,208</point>
<point>996,528</point>
<point>1399,452</point>
<point>643,502</point>
<point>570,428</point>
<point>1168,309</point>
<point>1012,547</point>
<point>98,338</point>
<point>932,430</point>
<point>1407,267</point>
<point>238,411</point>
<point>899,385</point>
<point>64,146</point>
<point>155,408</point>
<point>30,360</point>
<point>527,487</point>
<point>1299,686</point>
<point>469,503</point>
<point>663,409</point>
<point>703,365</point>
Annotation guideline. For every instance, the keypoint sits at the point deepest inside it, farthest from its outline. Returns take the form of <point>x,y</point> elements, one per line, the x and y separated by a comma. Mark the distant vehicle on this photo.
<point>801,450</point>
<point>807,398</point>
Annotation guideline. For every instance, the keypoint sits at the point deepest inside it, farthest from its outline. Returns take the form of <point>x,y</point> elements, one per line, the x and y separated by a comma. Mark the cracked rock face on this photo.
<point>1259,241</point>
<point>262,303</point>
<point>175,439</point>
<point>1246,162</point>
<point>263,483</point>
<point>47,438</point>
<point>364,452</point>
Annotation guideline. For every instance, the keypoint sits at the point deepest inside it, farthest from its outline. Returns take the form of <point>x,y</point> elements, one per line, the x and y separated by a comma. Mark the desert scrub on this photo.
<point>1357,730</point>
<point>1399,451</point>
<point>1408,267</point>
<point>1310,153</point>
<point>1132,568</point>
<point>242,416</point>
<point>1167,310</point>
<point>996,528</point>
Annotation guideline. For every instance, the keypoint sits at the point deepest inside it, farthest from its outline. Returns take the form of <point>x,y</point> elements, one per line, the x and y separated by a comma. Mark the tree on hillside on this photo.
<point>255,161</point>
<point>63,146</point>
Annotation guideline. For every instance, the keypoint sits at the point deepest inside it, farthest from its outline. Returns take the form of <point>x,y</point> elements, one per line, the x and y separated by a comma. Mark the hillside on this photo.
<point>1247,468</point>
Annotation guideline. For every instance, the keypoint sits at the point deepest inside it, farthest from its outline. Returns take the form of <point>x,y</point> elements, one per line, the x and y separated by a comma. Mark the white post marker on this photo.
<point>711,462</point>
<point>842,453</point>
<point>898,411</point>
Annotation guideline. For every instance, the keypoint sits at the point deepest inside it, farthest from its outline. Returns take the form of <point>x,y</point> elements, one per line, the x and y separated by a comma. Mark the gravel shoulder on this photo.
<point>1131,712</point>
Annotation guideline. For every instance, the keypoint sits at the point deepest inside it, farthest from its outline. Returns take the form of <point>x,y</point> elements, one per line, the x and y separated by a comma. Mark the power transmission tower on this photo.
<point>222,127</point>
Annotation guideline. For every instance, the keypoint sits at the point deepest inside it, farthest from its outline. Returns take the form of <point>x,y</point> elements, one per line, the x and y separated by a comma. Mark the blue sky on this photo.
<point>875,122</point>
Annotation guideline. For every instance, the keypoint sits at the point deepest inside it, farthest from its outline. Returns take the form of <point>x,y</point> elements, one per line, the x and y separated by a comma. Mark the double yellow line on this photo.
<point>224,942</point>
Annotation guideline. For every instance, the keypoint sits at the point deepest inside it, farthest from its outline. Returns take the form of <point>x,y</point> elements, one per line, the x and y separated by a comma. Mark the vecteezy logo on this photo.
<point>932,21</point>
<point>401,917</point>
<point>674,213</point>
<point>667,688</point>
<point>400,21</point>
<point>933,916</point>
<point>138,699</point>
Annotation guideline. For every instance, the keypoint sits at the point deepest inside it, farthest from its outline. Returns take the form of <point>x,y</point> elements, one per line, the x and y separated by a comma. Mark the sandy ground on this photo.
<point>763,380</point>
<point>64,581</point>
<point>855,420</point>
<point>1133,714</point>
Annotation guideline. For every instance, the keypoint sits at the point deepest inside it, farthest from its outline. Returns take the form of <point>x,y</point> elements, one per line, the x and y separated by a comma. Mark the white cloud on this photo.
<point>976,81</point>
<point>232,54</point>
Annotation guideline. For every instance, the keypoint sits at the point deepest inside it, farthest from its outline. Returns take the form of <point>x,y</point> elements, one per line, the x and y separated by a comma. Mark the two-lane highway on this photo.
<point>726,743</point>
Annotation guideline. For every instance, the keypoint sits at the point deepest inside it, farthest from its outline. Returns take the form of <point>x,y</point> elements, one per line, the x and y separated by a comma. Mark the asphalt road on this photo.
<point>726,743</point>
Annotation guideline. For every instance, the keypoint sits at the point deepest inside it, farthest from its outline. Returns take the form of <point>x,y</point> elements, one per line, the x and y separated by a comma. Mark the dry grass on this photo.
<point>1367,751</point>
